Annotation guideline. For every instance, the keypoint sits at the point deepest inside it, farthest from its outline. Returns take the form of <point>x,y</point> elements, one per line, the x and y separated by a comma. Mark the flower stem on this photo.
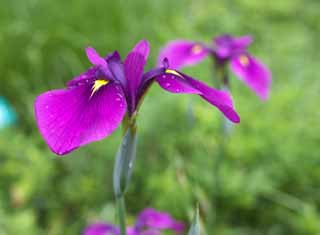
<point>121,208</point>
<point>221,79</point>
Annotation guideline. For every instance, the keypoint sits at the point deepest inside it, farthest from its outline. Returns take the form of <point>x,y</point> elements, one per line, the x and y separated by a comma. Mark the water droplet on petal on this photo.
<point>177,90</point>
<point>47,106</point>
<point>163,76</point>
<point>168,84</point>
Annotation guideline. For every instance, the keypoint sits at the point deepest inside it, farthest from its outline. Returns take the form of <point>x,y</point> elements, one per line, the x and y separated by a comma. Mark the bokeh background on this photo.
<point>268,181</point>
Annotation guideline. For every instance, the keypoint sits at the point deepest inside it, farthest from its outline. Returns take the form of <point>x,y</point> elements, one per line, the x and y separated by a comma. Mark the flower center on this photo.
<point>244,60</point>
<point>196,49</point>
<point>97,85</point>
<point>170,71</point>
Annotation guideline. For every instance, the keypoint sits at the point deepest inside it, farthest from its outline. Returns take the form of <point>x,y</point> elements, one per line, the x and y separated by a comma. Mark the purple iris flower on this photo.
<point>225,49</point>
<point>101,229</point>
<point>94,103</point>
<point>149,222</point>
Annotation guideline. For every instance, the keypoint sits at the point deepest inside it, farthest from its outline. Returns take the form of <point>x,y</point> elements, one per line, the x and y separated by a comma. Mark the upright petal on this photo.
<point>94,57</point>
<point>176,82</point>
<point>242,42</point>
<point>225,46</point>
<point>98,61</point>
<point>142,48</point>
<point>133,69</point>
<point>70,118</point>
<point>254,74</point>
<point>181,53</point>
<point>101,229</point>
<point>116,68</point>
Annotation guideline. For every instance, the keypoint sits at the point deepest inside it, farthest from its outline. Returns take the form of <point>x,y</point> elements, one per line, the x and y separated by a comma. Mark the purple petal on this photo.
<point>181,53</point>
<point>133,69</point>
<point>101,229</point>
<point>242,42</point>
<point>70,118</point>
<point>254,74</point>
<point>221,99</point>
<point>85,78</point>
<point>97,60</point>
<point>227,46</point>
<point>151,232</point>
<point>116,68</point>
<point>94,57</point>
<point>131,230</point>
<point>175,84</point>
<point>151,219</point>
<point>142,48</point>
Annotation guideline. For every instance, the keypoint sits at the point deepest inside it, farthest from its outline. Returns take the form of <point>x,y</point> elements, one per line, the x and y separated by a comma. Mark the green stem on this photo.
<point>221,79</point>
<point>121,207</point>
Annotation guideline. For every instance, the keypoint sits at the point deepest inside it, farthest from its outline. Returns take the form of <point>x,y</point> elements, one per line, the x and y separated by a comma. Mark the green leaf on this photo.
<point>195,226</point>
<point>124,162</point>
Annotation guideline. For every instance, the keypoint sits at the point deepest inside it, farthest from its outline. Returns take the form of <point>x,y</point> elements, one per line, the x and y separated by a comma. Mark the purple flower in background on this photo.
<point>150,218</point>
<point>149,222</point>
<point>94,103</point>
<point>225,49</point>
<point>101,229</point>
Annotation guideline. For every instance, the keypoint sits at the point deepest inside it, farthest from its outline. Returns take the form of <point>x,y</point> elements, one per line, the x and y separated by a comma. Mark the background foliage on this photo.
<point>269,178</point>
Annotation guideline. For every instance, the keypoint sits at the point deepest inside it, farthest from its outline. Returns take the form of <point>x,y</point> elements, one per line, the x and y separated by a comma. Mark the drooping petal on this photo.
<point>87,77</point>
<point>70,118</point>
<point>133,69</point>
<point>221,99</point>
<point>151,219</point>
<point>101,229</point>
<point>181,53</point>
<point>253,73</point>
<point>177,82</point>
<point>226,46</point>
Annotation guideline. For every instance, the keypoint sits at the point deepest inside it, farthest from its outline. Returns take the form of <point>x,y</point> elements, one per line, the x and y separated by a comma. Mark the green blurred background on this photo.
<point>269,179</point>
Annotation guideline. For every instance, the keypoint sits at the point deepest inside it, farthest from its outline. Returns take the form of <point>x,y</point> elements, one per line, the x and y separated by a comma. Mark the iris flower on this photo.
<point>95,103</point>
<point>149,222</point>
<point>225,50</point>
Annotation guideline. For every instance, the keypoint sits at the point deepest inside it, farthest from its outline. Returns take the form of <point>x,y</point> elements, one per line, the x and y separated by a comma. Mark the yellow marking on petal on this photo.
<point>196,49</point>
<point>244,60</point>
<point>97,85</point>
<point>170,71</point>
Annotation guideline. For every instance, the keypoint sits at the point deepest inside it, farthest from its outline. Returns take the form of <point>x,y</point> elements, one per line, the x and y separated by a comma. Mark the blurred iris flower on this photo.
<point>7,114</point>
<point>149,222</point>
<point>94,103</point>
<point>225,50</point>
